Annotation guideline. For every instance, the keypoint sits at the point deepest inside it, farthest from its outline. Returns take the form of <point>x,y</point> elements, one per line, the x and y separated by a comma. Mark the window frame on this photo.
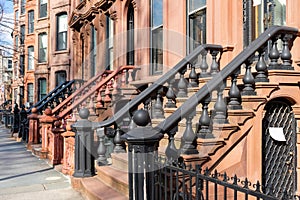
<point>156,66</point>
<point>109,43</point>
<point>22,7</point>
<point>41,7</point>
<point>30,21</point>
<point>42,82</point>
<point>30,93</point>
<point>193,14</point>
<point>30,58</point>
<point>59,39</point>
<point>40,60</point>
<point>22,34</point>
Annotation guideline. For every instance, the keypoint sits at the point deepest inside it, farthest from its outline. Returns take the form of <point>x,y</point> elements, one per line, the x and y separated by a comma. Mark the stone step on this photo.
<point>92,188</point>
<point>114,178</point>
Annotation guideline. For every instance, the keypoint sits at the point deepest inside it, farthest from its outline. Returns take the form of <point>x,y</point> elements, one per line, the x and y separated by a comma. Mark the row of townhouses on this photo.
<point>204,83</point>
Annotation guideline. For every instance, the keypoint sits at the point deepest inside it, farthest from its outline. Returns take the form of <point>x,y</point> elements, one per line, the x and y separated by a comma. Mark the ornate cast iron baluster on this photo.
<point>193,77</point>
<point>204,65</point>
<point>182,84</point>
<point>171,150</point>
<point>274,55</point>
<point>118,142</point>
<point>204,130</point>
<point>286,54</point>
<point>248,80</point>
<point>171,98</point>
<point>214,68</point>
<point>220,107</point>
<point>261,68</point>
<point>234,94</point>
<point>101,151</point>
<point>189,137</point>
<point>158,107</point>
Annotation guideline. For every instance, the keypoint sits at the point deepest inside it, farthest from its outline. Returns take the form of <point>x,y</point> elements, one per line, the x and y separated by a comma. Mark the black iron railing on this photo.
<point>177,181</point>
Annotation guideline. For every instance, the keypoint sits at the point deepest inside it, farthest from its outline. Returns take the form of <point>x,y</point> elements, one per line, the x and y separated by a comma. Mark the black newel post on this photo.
<point>23,125</point>
<point>84,140</point>
<point>16,122</point>
<point>142,151</point>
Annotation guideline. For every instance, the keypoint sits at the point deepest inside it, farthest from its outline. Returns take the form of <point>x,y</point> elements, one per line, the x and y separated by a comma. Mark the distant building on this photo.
<point>5,77</point>
<point>41,48</point>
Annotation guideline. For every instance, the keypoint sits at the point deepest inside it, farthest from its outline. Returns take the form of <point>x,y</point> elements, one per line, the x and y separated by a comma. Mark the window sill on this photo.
<point>61,51</point>
<point>42,18</point>
<point>30,34</point>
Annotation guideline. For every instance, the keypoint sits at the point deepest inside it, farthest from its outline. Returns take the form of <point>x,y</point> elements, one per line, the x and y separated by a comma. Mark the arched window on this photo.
<point>61,31</point>
<point>130,35</point>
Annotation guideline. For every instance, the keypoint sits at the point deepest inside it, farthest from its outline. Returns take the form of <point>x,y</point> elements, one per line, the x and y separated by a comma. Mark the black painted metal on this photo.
<point>279,158</point>
<point>16,121</point>
<point>188,139</point>
<point>234,94</point>
<point>51,96</point>
<point>24,124</point>
<point>249,82</point>
<point>230,68</point>
<point>204,129</point>
<point>84,141</point>
<point>157,85</point>
<point>142,151</point>
<point>178,181</point>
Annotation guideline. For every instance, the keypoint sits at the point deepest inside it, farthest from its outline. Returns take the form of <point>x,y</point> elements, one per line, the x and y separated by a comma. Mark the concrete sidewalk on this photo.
<point>24,176</point>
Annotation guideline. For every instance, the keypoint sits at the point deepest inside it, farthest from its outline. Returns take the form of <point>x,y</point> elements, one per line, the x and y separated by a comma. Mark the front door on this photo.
<point>279,156</point>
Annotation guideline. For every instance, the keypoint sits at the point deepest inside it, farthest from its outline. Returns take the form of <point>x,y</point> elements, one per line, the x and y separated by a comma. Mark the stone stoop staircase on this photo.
<point>111,182</point>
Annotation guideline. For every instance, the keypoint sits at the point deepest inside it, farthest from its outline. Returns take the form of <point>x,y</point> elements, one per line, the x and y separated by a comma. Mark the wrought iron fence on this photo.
<point>177,181</point>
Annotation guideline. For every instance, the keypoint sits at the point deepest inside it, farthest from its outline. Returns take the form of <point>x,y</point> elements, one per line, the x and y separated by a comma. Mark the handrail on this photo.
<point>156,85</point>
<point>88,83</point>
<point>230,68</point>
<point>50,94</point>
<point>90,92</point>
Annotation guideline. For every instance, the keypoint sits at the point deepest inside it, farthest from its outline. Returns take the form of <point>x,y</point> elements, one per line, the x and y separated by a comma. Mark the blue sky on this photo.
<point>6,23</point>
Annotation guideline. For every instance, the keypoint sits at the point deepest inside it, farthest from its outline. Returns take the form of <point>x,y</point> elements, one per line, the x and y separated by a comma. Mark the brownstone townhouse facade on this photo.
<point>41,56</point>
<point>179,58</point>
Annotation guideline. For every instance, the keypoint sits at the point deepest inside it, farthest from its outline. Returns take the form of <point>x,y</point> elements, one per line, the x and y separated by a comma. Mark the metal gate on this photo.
<point>278,153</point>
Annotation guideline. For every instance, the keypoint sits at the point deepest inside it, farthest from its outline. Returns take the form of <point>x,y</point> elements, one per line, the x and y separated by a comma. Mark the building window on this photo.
<point>23,3</point>
<point>60,77</point>
<point>62,30</point>
<point>17,41</point>
<point>43,43</point>
<point>30,93</point>
<point>30,58</point>
<point>9,64</point>
<point>30,21</point>
<point>196,23</point>
<point>93,53</point>
<point>22,32</point>
<point>130,35</point>
<point>156,36</point>
<point>110,43</point>
<point>43,8</point>
<point>17,17</point>
<point>22,64</point>
<point>42,88</point>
